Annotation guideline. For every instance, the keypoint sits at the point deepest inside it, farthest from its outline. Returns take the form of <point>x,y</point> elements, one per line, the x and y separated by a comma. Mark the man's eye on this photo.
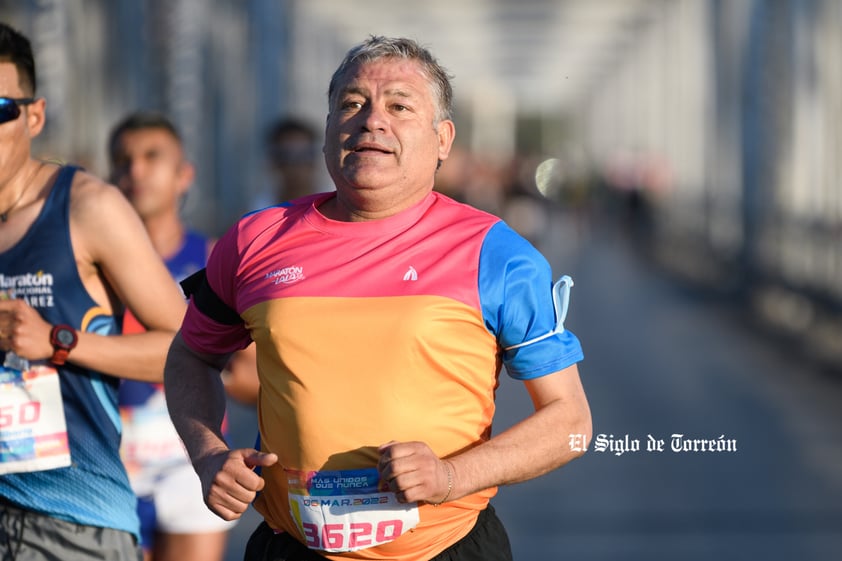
<point>398,107</point>
<point>351,105</point>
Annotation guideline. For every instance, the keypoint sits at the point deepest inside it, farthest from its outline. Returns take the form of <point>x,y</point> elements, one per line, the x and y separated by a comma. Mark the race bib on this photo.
<point>33,433</point>
<point>344,511</point>
<point>149,439</point>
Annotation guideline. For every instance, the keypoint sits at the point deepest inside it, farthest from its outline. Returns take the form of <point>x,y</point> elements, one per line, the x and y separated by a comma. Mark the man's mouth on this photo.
<point>370,148</point>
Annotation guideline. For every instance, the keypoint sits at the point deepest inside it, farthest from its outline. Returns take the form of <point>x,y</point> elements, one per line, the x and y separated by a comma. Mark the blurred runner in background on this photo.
<point>149,165</point>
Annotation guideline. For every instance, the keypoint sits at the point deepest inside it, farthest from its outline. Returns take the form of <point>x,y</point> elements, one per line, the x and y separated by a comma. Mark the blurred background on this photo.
<point>679,158</point>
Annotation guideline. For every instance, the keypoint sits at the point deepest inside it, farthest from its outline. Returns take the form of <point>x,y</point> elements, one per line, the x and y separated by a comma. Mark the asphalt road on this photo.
<point>664,360</point>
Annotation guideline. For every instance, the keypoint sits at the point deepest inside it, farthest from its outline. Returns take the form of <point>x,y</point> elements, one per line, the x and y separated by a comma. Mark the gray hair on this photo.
<point>377,47</point>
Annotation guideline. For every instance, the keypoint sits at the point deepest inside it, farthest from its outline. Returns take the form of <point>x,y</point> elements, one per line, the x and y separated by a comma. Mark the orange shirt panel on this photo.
<point>436,365</point>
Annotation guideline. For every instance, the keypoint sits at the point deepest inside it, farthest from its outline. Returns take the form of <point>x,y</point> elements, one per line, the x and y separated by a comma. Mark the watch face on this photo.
<point>65,337</point>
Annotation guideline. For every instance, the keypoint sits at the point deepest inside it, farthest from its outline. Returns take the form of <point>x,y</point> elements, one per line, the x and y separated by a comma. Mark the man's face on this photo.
<point>16,136</point>
<point>292,165</point>
<point>149,168</point>
<point>381,143</point>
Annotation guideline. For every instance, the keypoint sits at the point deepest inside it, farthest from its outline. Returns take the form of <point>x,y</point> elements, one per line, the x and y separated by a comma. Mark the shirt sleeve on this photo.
<point>515,284</point>
<point>202,333</point>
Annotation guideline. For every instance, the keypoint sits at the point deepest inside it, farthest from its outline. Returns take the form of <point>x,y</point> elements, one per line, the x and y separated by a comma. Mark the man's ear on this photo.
<point>186,175</point>
<point>446,131</point>
<point>36,116</point>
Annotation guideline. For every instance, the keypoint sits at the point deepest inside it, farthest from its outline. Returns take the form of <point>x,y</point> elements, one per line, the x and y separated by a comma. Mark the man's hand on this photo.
<point>229,483</point>
<point>24,331</point>
<point>414,473</point>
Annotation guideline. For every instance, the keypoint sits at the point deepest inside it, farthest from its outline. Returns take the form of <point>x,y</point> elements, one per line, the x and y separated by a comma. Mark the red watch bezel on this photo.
<point>62,350</point>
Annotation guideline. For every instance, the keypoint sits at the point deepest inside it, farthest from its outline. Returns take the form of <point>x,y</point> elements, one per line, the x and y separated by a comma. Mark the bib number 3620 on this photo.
<point>343,510</point>
<point>352,536</point>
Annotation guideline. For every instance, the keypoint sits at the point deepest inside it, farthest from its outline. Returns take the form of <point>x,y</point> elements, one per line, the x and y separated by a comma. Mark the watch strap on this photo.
<point>61,350</point>
<point>59,356</point>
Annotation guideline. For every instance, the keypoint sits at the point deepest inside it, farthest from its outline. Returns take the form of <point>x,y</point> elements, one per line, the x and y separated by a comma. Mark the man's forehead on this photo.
<point>146,141</point>
<point>395,73</point>
<point>148,135</point>
<point>9,79</point>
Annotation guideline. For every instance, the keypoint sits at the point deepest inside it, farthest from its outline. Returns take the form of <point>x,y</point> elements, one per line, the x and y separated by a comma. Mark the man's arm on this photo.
<point>116,261</point>
<point>536,445</point>
<point>196,402</point>
<point>110,241</point>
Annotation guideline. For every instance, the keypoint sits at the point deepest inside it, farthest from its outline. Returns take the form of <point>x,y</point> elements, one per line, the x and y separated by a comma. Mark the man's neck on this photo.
<point>166,232</point>
<point>22,185</point>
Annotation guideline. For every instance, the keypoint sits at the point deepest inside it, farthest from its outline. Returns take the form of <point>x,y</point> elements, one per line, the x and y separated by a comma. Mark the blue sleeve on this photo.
<point>515,288</point>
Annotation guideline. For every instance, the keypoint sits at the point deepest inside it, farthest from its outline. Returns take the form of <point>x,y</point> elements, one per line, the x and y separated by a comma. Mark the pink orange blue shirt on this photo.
<point>375,331</point>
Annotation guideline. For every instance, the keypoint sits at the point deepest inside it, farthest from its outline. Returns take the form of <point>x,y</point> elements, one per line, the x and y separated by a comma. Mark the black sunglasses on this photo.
<point>10,107</point>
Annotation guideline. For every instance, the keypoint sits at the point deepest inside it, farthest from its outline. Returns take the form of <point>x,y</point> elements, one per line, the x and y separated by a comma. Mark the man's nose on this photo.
<point>375,118</point>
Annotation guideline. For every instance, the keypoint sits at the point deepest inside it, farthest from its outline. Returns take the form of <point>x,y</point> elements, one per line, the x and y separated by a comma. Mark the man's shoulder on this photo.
<point>448,202</point>
<point>285,207</point>
<point>283,212</point>
<point>100,213</point>
<point>86,184</point>
<point>90,194</point>
<point>460,214</point>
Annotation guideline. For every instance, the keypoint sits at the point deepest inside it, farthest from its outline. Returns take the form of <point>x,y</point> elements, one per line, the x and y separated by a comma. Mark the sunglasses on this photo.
<point>10,107</point>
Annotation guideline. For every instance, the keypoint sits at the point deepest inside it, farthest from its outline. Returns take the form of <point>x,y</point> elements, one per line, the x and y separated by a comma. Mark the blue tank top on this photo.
<point>190,258</point>
<point>94,490</point>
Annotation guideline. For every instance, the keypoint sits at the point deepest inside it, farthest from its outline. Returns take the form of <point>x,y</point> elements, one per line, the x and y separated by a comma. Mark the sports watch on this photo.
<point>63,338</point>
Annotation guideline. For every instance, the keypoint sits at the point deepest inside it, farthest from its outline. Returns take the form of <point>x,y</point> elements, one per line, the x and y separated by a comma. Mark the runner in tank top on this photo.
<point>68,244</point>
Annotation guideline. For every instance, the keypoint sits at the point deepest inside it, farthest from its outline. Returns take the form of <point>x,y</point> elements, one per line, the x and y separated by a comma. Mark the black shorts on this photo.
<point>30,536</point>
<point>487,541</point>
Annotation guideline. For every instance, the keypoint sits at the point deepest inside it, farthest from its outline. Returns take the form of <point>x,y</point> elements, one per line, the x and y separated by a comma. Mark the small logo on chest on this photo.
<point>411,274</point>
<point>287,275</point>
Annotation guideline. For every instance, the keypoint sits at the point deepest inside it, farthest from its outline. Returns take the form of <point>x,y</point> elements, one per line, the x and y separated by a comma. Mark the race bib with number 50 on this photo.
<point>33,433</point>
